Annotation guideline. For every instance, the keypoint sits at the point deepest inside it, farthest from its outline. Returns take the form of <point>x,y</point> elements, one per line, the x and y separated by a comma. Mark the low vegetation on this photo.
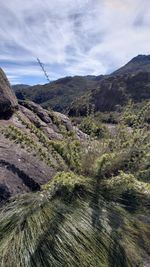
<point>95,211</point>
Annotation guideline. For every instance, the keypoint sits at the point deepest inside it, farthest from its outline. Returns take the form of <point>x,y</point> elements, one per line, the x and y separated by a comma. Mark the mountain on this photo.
<point>105,92</point>
<point>141,63</point>
<point>15,87</point>
<point>131,82</point>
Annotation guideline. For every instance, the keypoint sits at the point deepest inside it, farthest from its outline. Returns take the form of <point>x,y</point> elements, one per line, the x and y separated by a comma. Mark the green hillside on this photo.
<point>105,93</point>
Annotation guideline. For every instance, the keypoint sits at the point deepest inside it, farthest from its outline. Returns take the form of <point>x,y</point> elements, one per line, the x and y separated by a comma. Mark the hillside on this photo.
<point>73,94</point>
<point>68,198</point>
<point>114,92</point>
<point>19,86</point>
<point>58,94</point>
<point>118,90</point>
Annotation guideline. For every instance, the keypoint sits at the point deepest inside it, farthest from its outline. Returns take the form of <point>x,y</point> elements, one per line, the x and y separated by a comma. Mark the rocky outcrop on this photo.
<point>50,129</point>
<point>8,101</point>
<point>28,155</point>
<point>68,124</point>
<point>50,122</point>
<point>37,109</point>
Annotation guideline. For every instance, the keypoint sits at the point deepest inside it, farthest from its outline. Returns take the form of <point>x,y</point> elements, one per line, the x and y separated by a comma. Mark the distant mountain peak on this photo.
<point>141,58</point>
<point>140,63</point>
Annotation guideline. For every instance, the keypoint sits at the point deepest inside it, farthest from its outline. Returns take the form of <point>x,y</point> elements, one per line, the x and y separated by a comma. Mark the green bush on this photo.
<point>126,183</point>
<point>67,180</point>
<point>70,150</point>
<point>89,127</point>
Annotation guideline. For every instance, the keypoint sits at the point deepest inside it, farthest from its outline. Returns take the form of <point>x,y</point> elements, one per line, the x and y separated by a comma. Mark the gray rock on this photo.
<point>64,120</point>
<point>8,101</point>
<point>20,171</point>
<point>34,118</point>
<point>37,109</point>
<point>79,134</point>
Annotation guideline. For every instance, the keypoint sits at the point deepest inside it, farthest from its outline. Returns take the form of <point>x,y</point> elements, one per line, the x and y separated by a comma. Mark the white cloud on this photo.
<point>72,36</point>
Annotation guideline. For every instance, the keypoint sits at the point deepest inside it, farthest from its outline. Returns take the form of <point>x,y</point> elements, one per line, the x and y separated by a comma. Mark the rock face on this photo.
<point>29,156</point>
<point>49,122</point>
<point>27,159</point>
<point>20,171</point>
<point>8,101</point>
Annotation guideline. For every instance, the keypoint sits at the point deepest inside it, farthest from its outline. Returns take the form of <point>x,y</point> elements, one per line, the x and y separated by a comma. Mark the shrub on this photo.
<point>89,127</point>
<point>118,186</point>
<point>67,180</point>
<point>70,152</point>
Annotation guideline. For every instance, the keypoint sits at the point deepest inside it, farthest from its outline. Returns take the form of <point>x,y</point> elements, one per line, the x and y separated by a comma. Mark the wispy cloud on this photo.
<point>72,37</point>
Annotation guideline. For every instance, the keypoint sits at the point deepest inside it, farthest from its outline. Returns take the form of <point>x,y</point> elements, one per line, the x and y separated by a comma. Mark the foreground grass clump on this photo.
<point>71,228</point>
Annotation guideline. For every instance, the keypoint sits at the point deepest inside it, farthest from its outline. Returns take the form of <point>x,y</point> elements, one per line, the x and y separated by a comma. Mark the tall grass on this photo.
<point>71,225</point>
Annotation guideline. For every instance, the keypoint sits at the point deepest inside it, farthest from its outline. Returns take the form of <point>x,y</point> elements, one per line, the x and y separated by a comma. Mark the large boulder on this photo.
<point>8,100</point>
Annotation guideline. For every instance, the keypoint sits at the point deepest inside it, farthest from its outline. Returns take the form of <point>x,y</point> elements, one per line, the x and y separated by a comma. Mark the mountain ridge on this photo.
<point>62,94</point>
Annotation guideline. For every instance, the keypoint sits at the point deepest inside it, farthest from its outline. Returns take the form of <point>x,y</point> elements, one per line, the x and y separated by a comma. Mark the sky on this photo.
<point>70,37</point>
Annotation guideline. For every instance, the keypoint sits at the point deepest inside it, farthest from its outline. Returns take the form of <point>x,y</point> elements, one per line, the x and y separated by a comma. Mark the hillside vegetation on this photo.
<point>56,95</point>
<point>95,210</point>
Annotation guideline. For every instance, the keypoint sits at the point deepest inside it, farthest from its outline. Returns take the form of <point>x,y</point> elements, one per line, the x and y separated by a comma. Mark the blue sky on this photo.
<point>71,37</point>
